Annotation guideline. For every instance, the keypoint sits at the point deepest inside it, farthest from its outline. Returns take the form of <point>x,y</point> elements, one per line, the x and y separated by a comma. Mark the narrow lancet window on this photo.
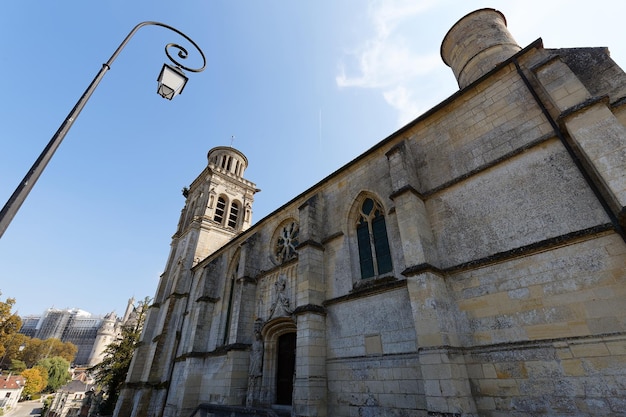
<point>371,232</point>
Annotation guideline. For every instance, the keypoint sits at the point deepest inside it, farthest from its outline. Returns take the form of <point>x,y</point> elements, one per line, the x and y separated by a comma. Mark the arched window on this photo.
<point>220,208</point>
<point>233,215</point>
<point>189,214</point>
<point>230,287</point>
<point>371,232</point>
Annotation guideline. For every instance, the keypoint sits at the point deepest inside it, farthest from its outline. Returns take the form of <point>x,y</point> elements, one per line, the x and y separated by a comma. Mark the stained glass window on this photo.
<point>371,232</point>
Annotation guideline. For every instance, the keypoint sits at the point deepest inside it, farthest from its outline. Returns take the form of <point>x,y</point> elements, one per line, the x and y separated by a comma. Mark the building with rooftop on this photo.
<point>90,334</point>
<point>11,387</point>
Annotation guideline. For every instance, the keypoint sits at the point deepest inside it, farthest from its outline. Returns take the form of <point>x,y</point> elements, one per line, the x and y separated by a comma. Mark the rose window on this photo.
<point>286,242</point>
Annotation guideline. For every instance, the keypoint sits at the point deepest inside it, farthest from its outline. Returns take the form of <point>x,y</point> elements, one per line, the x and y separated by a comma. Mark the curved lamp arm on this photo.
<point>182,52</point>
<point>21,192</point>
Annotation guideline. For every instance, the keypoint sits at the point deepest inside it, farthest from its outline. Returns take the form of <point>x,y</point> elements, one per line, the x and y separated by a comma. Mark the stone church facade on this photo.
<point>473,263</point>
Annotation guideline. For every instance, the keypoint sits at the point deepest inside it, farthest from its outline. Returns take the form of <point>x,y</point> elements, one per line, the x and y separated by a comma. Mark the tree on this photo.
<point>35,381</point>
<point>12,348</point>
<point>57,369</point>
<point>110,374</point>
<point>37,349</point>
<point>65,350</point>
<point>17,366</point>
<point>33,351</point>
<point>10,323</point>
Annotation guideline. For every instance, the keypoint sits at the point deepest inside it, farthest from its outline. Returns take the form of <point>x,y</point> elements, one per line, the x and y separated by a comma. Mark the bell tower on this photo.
<point>218,206</point>
<point>218,202</point>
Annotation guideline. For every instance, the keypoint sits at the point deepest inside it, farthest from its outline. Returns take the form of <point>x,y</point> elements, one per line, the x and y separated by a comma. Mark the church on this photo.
<point>473,263</point>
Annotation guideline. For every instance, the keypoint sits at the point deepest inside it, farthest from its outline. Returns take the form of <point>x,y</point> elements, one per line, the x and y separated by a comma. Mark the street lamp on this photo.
<point>171,82</point>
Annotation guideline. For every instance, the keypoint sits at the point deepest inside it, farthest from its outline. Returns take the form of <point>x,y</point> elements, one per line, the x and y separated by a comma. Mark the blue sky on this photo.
<point>302,86</point>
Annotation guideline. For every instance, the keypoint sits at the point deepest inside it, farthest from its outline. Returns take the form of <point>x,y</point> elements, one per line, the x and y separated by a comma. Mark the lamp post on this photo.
<point>171,82</point>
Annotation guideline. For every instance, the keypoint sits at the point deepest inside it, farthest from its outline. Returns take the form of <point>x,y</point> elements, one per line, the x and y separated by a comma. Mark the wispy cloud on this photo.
<point>403,101</point>
<point>387,61</point>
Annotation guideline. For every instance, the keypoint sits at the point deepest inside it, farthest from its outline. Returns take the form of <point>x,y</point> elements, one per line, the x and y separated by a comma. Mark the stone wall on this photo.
<point>372,365</point>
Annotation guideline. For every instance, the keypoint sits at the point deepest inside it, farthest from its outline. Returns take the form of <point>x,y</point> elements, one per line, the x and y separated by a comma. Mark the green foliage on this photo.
<point>46,405</point>
<point>58,372</point>
<point>17,366</point>
<point>110,374</point>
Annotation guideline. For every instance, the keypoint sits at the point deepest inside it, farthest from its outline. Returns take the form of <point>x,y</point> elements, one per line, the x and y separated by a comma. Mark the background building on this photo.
<point>90,334</point>
<point>472,263</point>
<point>72,399</point>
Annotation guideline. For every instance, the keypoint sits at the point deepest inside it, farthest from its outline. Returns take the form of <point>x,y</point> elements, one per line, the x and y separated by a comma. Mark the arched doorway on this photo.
<point>285,368</point>
<point>279,339</point>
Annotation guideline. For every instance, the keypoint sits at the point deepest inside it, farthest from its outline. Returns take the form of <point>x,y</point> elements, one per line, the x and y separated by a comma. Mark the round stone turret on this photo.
<point>107,333</point>
<point>228,159</point>
<point>476,44</point>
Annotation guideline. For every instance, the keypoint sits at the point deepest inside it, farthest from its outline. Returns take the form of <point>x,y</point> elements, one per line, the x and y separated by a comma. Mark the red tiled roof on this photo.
<point>12,382</point>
